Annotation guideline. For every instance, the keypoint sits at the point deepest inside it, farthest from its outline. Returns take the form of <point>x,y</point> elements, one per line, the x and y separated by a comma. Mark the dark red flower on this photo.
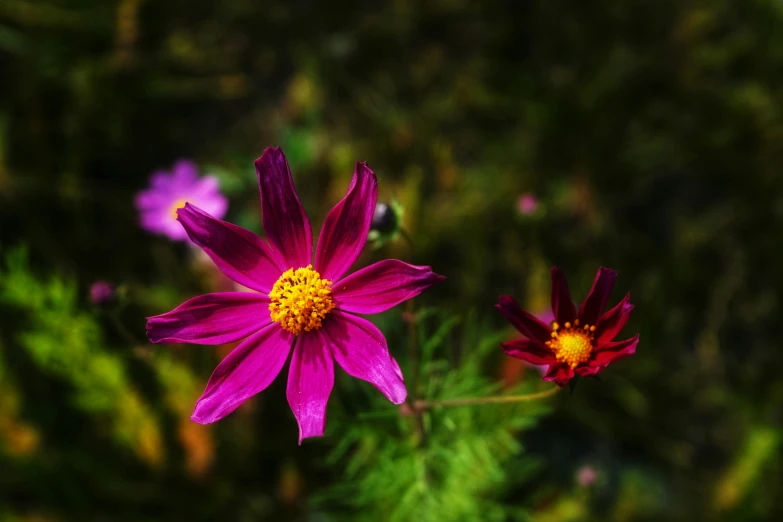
<point>577,342</point>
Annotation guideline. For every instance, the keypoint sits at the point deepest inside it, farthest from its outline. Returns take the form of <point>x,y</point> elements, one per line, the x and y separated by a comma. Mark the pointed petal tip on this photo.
<point>199,416</point>
<point>313,435</point>
<point>363,168</point>
<point>271,149</point>
<point>271,154</point>
<point>152,334</point>
<point>626,300</point>
<point>200,420</point>
<point>506,346</point>
<point>400,398</point>
<point>309,435</point>
<point>608,273</point>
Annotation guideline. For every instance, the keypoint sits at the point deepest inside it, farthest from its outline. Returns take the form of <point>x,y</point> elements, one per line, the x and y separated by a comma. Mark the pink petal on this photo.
<point>562,304</point>
<point>346,227</point>
<point>560,374</point>
<point>382,285</point>
<point>184,173</point>
<point>588,371</point>
<point>211,319</point>
<point>613,321</point>
<point>150,200</point>
<point>161,180</point>
<point>529,351</point>
<point>238,253</point>
<point>360,349</point>
<point>607,353</point>
<point>248,369</point>
<point>285,222</point>
<point>594,304</point>
<point>310,381</point>
<point>207,187</point>
<point>526,323</point>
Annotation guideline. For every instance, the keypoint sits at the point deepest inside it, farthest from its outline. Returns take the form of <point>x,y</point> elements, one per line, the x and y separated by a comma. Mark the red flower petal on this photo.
<point>562,304</point>
<point>285,221</point>
<point>560,374</point>
<point>594,304</point>
<point>605,354</point>
<point>613,321</point>
<point>345,230</point>
<point>526,323</point>
<point>587,371</point>
<point>529,351</point>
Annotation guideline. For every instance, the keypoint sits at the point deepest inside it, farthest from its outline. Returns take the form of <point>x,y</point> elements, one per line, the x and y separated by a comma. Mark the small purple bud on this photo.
<point>102,293</point>
<point>586,476</point>
<point>527,204</point>
<point>384,219</point>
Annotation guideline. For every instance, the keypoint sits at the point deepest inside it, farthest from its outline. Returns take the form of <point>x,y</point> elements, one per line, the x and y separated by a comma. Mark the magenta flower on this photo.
<point>169,191</point>
<point>577,342</point>
<point>299,304</point>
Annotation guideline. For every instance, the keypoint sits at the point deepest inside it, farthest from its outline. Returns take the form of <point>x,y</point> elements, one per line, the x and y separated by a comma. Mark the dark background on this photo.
<point>650,132</point>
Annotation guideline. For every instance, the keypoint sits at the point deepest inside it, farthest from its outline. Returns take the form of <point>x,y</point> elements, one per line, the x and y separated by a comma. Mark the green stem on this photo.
<point>503,399</point>
<point>413,356</point>
<point>409,241</point>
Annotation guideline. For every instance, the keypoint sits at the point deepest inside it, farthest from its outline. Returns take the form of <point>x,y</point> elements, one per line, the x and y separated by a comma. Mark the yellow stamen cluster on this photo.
<point>572,344</point>
<point>176,206</point>
<point>300,300</point>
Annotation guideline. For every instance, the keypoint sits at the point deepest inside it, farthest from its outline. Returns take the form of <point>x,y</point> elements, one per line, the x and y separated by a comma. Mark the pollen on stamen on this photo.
<point>176,206</point>
<point>300,300</point>
<point>572,345</point>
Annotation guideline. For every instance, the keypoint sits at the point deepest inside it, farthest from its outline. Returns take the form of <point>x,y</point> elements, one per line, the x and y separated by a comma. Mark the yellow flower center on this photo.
<point>572,344</point>
<point>300,300</point>
<point>176,206</point>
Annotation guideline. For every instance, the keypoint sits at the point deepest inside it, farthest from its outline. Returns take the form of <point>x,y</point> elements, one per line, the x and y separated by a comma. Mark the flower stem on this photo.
<point>503,399</point>
<point>413,356</point>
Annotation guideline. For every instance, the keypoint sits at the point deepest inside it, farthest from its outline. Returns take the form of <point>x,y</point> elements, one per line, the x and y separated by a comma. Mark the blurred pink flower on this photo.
<point>547,316</point>
<point>102,293</point>
<point>586,476</point>
<point>527,204</point>
<point>169,191</point>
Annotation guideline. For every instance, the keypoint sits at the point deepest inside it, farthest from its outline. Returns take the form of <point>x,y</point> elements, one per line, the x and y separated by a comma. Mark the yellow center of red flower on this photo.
<point>572,344</point>
<point>300,300</point>
<point>176,206</point>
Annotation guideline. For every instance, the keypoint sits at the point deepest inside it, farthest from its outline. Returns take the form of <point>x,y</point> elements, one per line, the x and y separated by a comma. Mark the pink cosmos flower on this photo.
<point>577,343</point>
<point>586,476</point>
<point>169,191</point>
<point>527,204</point>
<point>299,304</point>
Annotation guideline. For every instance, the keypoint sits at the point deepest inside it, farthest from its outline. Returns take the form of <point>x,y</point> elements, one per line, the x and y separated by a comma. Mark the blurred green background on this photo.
<point>649,132</point>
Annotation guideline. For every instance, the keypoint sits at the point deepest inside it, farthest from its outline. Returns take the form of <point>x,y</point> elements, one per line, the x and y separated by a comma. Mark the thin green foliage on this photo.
<point>452,463</point>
